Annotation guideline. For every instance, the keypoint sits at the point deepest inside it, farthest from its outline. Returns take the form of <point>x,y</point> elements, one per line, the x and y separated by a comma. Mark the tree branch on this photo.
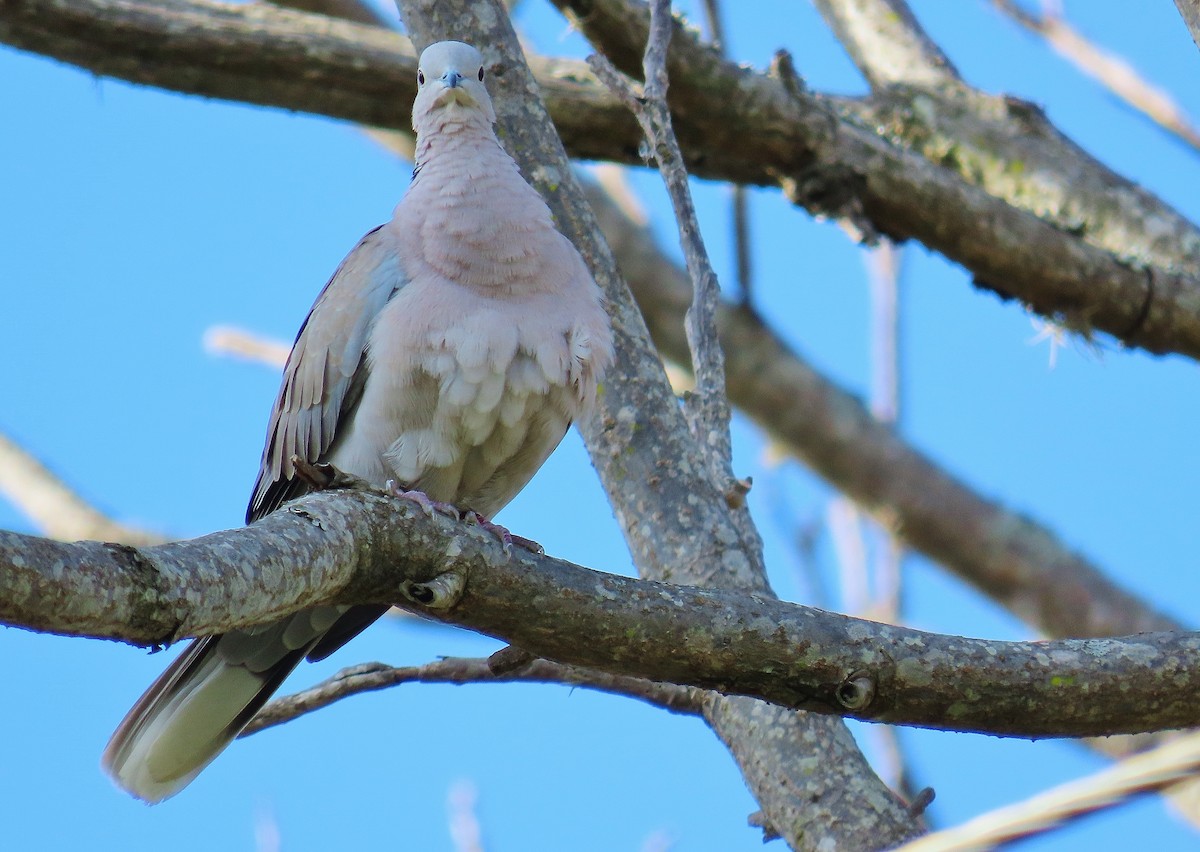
<point>1065,235</point>
<point>887,45</point>
<point>457,670</point>
<point>1074,241</point>
<point>707,407</point>
<point>1016,561</point>
<point>356,547</point>
<point>237,342</point>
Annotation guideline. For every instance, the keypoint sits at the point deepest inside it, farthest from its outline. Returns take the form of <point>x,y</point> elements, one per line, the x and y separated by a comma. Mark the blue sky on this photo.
<point>132,220</point>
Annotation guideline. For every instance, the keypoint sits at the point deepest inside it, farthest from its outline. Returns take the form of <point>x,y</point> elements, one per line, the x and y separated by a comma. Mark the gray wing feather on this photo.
<point>203,699</point>
<point>325,373</point>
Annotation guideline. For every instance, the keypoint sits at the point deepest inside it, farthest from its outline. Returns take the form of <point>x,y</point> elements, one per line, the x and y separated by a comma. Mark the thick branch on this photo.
<point>353,547</point>
<point>988,182</point>
<point>260,53</point>
<point>1106,254</point>
<point>1013,559</point>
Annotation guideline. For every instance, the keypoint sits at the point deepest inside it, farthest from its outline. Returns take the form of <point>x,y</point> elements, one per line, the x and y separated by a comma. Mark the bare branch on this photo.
<point>54,506</point>
<point>362,547</point>
<point>457,670</point>
<point>1013,559</point>
<point>1138,284</point>
<point>1070,238</point>
<point>465,830</point>
<point>739,202</point>
<point>886,43</point>
<point>707,407</point>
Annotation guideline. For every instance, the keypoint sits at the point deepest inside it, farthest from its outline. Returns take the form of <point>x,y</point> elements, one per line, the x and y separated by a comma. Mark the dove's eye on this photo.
<point>480,73</point>
<point>420,77</point>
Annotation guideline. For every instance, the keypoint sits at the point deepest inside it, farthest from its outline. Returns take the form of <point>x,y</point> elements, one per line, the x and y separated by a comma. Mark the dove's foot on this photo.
<point>322,476</point>
<point>506,538</point>
<point>427,505</point>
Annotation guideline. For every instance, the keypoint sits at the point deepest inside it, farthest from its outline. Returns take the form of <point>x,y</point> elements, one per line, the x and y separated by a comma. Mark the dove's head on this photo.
<point>450,87</point>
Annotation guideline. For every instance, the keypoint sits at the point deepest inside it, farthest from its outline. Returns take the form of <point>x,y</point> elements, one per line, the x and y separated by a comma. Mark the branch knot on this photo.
<point>441,593</point>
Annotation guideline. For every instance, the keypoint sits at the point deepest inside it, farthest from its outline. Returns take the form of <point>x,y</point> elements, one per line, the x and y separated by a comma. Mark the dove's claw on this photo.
<point>506,538</point>
<point>423,500</point>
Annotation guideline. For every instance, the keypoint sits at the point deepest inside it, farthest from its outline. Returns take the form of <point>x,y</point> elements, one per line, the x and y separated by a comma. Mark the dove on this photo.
<point>445,358</point>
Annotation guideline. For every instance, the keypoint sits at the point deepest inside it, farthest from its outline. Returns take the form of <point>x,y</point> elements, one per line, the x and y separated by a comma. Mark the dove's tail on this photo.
<point>188,716</point>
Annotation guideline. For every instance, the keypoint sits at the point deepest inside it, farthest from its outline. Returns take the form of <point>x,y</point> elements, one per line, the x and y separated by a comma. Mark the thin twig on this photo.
<point>708,406</point>
<point>460,670</point>
<point>739,201</point>
<point>1153,770</point>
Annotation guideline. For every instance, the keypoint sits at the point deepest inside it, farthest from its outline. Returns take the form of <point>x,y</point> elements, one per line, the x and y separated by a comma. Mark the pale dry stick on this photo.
<point>465,831</point>
<point>1148,772</point>
<point>883,278</point>
<point>845,525</point>
<point>54,507</point>
<point>227,340</point>
<point>1110,70</point>
<point>867,556</point>
<point>870,586</point>
<point>267,836</point>
<point>611,180</point>
<point>659,840</point>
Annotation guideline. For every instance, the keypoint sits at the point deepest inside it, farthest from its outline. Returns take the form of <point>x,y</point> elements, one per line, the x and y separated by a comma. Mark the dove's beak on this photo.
<point>453,90</point>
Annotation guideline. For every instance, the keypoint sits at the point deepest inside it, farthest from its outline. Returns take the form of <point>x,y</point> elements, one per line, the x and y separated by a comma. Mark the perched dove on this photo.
<point>449,353</point>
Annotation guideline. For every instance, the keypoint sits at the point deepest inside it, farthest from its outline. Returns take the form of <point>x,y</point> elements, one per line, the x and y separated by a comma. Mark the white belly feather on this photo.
<point>466,407</point>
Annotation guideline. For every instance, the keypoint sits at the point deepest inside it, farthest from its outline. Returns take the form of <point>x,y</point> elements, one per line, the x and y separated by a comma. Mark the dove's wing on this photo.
<point>327,370</point>
<point>212,690</point>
